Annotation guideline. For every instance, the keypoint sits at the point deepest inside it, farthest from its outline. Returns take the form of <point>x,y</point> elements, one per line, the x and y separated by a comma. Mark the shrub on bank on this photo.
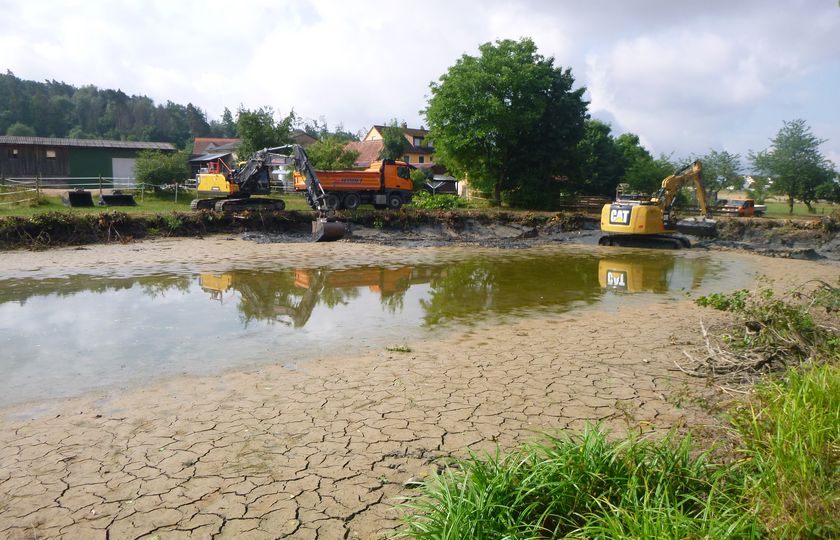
<point>424,199</point>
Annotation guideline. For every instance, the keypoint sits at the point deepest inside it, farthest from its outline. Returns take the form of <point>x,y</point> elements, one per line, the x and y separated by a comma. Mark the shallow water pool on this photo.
<point>62,336</point>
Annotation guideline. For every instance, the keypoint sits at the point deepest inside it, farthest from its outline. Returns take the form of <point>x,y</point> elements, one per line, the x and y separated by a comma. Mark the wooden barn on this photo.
<point>28,157</point>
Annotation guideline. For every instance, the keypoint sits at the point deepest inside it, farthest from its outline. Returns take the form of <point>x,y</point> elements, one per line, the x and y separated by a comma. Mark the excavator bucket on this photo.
<point>324,230</point>
<point>698,227</point>
<point>77,198</point>
<point>117,199</point>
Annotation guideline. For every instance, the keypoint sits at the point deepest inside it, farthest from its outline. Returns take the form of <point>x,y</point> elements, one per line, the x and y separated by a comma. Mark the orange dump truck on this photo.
<point>385,184</point>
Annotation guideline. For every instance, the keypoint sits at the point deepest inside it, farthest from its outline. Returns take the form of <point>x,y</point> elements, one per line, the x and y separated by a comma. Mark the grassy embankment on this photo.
<point>782,481</point>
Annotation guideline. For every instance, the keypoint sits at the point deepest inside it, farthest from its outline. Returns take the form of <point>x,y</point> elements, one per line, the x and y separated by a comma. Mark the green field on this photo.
<point>780,209</point>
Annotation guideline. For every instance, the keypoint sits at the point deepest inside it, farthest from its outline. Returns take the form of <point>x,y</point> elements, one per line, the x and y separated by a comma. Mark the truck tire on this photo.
<point>332,201</point>
<point>395,202</point>
<point>280,205</point>
<point>352,201</point>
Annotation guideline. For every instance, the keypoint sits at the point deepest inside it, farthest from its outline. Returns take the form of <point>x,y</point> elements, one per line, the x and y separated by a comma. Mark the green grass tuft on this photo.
<point>582,487</point>
<point>791,436</point>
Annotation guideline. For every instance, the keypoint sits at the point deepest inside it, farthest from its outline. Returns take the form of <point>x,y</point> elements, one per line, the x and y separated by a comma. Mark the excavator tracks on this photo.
<point>655,241</point>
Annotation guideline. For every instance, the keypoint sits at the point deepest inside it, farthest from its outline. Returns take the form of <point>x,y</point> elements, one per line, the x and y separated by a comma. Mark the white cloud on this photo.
<point>684,77</point>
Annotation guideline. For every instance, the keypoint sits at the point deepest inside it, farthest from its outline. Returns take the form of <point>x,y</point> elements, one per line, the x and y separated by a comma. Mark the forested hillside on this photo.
<point>57,109</point>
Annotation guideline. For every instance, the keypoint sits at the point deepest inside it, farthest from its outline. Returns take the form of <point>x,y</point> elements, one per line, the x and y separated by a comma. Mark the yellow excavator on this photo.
<point>650,222</point>
<point>232,189</point>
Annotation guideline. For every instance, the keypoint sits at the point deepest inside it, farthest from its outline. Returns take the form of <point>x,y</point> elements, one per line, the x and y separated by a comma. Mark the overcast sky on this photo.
<point>685,76</point>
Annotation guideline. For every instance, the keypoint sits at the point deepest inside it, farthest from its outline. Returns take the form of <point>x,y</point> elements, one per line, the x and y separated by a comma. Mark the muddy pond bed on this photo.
<point>63,334</point>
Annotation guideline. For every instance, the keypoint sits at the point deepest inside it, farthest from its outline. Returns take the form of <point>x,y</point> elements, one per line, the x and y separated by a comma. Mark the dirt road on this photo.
<point>325,451</point>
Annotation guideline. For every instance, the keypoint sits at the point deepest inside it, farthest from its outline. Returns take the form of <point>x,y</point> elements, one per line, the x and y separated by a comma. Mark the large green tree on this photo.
<point>508,119</point>
<point>643,172</point>
<point>331,154</point>
<point>394,143</point>
<point>259,129</point>
<point>794,163</point>
<point>159,168</point>
<point>601,163</point>
<point>721,170</point>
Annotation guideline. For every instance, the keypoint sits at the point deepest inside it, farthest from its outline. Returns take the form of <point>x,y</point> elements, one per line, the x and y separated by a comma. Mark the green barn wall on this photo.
<point>93,162</point>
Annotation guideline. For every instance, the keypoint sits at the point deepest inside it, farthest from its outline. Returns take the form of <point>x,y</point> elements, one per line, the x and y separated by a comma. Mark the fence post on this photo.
<point>100,186</point>
<point>38,189</point>
<point>176,192</point>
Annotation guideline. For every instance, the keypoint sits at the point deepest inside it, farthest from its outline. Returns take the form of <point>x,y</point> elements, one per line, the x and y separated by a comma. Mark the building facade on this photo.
<point>47,157</point>
<point>419,152</point>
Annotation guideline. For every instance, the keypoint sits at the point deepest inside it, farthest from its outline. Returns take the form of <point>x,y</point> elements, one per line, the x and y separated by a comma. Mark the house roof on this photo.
<point>87,143</point>
<point>208,157</point>
<point>303,138</point>
<point>368,151</point>
<point>414,132</point>
<point>203,144</point>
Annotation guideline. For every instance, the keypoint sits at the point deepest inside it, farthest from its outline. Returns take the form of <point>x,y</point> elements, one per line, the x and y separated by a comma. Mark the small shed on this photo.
<point>28,157</point>
<point>442,184</point>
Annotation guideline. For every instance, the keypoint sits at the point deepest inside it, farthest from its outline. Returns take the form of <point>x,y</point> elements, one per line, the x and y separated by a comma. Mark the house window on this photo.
<point>50,154</point>
<point>420,159</point>
<point>418,141</point>
<point>13,153</point>
<point>430,159</point>
<point>406,158</point>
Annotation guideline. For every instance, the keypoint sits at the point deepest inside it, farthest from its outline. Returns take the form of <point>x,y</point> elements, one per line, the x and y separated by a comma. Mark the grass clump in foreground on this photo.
<point>584,487</point>
<point>781,481</point>
<point>790,437</point>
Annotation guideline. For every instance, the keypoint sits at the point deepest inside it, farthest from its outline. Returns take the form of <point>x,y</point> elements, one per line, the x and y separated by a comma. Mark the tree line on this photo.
<point>57,109</point>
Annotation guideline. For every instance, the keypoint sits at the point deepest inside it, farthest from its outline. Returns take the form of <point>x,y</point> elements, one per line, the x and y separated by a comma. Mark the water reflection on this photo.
<point>634,274</point>
<point>61,336</point>
<point>473,288</point>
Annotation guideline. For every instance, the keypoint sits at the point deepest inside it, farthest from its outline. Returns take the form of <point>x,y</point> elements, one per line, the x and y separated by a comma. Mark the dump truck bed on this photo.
<point>344,181</point>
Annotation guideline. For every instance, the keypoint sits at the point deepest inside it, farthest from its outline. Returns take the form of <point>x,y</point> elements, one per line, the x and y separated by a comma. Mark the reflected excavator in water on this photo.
<point>658,274</point>
<point>466,290</point>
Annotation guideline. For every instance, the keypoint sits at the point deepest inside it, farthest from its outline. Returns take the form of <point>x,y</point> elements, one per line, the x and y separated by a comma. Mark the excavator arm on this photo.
<point>690,174</point>
<point>325,228</point>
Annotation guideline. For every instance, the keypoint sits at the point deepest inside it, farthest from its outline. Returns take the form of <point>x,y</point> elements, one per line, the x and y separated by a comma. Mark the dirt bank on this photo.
<point>802,239</point>
<point>325,450</point>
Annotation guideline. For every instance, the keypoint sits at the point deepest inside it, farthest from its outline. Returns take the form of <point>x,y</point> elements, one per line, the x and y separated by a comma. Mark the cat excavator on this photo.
<point>635,222</point>
<point>232,189</point>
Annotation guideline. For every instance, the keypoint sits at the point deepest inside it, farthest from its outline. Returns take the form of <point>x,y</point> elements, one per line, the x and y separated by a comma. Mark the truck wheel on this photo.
<point>352,201</point>
<point>280,205</point>
<point>332,201</point>
<point>394,201</point>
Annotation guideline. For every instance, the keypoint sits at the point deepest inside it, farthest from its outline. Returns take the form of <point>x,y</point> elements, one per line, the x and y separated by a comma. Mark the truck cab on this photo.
<point>742,208</point>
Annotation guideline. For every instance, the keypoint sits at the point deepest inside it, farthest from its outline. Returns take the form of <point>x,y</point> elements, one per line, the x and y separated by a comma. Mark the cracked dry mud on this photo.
<point>324,451</point>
